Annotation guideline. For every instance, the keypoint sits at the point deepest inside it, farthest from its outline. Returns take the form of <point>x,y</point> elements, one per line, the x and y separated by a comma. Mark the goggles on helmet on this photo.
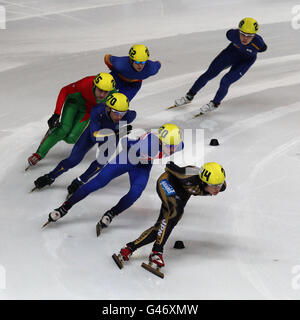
<point>215,186</point>
<point>247,34</point>
<point>139,62</point>
<point>119,113</point>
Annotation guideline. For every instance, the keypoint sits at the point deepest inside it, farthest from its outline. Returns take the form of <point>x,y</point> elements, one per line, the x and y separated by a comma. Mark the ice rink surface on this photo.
<point>242,244</point>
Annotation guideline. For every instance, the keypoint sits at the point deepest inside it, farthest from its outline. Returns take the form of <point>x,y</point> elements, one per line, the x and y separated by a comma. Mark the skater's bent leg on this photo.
<point>81,147</point>
<point>139,177</point>
<point>163,225</point>
<point>59,133</point>
<point>148,236</point>
<point>170,213</point>
<point>220,63</point>
<point>167,224</point>
<point>82,192</point>
<point>171,210</point>
<point>129,199</point>
<point>235,73</point>
<point>92,170</point>
<point>223,89</point>
<point>108,173</point>
<point>77,129</point>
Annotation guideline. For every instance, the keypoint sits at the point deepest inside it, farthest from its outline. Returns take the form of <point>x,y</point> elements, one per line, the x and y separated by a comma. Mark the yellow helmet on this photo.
<point>248,25</point>
<point>139,52</point>
<point>169,134</point>
<point>118,101</point>
<point>212,173</point>
<point>104,81</point>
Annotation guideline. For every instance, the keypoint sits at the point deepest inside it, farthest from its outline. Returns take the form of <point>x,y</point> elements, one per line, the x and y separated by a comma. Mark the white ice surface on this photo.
<point>242,244</point>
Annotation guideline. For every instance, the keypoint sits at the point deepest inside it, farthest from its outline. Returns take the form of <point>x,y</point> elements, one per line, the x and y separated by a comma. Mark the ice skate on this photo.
<point>124,255</point>
<point>155,264</point>
<point>104,221</point>
<point>33,160</point>
<point>55,215</point>
<point>35,157</point>
<point>42,181</point>
<point>207,108</point>
<point>72,188</point>
<point>182,101</point>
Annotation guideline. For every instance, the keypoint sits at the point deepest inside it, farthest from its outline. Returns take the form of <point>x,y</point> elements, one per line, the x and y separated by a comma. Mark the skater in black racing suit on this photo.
<point>174,187</point>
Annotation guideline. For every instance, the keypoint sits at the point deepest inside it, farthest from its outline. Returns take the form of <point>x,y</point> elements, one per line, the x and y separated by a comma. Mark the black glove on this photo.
<point>53,121</point>
<point>264,48</point>
<point>124,130</point>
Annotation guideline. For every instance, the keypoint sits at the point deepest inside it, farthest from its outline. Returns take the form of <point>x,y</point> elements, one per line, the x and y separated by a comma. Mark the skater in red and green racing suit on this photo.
<point>73,106</point>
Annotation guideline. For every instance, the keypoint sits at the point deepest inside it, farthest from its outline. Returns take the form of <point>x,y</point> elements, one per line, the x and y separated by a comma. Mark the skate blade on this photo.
<point>198,115</point>
<point>152,270</point>
<point>45,224</point>
<point>176,106</point>
<point>27,167</point>
<point>33,189</point>
<point>117,260</point>
<point>98,229</point>
<point>171,107</point>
